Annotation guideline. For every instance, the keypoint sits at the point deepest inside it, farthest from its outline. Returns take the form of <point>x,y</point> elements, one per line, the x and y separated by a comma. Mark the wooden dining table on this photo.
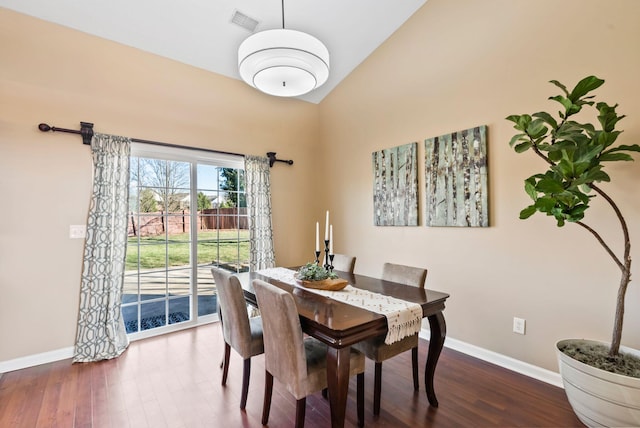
<point>340,325</point>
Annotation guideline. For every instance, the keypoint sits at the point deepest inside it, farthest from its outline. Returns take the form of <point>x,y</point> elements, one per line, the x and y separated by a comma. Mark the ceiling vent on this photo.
<point>244,21</point>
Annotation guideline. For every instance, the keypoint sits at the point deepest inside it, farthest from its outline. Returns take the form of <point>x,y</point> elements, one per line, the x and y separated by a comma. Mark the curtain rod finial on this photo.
<point>44,127</point>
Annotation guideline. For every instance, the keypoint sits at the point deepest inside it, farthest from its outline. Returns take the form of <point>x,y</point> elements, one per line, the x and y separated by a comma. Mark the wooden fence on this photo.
<point>152,224</point>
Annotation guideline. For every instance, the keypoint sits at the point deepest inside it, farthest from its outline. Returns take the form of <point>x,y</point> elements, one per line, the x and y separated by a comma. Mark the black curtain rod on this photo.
<point>86,131</point>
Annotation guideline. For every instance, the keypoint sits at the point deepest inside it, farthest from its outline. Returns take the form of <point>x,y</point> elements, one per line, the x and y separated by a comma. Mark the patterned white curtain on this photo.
<point>101,333</point>
<point>258,189</point>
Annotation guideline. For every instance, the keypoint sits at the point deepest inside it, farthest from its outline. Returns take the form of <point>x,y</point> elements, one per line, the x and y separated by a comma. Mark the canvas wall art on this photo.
<point>395,186</point>
<point>456,179</point>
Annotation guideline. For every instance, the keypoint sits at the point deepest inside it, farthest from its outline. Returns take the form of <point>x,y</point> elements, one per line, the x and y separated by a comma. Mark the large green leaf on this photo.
<point>513,118</point>
<point>521,121</point>
<point>545,204</point>
<point>587,127</point>
<point>555,156</point>
<point>567,199</point>
<point>588,154</point>
<point>549,186</point>
<point>516,138</point>
<point>578,211</point>
<point>608,116</point>
<point>522,147</point>
<point>595,175</point>
<point>547,118</point>
<point>568,130</point>
<point>545,147</point>
<point>579,168</point>
<point>582,195</point>
<point>561,86</point>
<point>615,157</point>
<point>527,212</point>
<point>536,128</point>
<point>606,138</point>
<point>632,148</point>
<point>530,188</point>
<point>566,102</point>
<point>565,168</point>
<point>585,86</point>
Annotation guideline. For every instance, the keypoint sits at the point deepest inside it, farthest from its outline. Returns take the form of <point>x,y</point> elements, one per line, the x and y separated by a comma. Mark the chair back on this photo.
<point>402,274</point>
<point>284,351</point>
<point>233,308</point>
<point>344,263</point>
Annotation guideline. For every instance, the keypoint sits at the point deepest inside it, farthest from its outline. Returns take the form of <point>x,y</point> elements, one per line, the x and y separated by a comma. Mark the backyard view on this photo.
<point>171,249</point>
<point>226,246</point>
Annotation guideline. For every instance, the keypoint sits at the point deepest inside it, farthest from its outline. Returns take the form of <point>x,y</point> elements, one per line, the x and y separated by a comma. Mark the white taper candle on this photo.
<point>326,226</point>
<point>331,239</point>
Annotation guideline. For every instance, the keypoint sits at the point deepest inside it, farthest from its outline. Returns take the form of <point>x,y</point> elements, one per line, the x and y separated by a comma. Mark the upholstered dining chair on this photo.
<point>344,263</point>
<point>240,332</point>
<point>297,362</point>
<point>375,349</point>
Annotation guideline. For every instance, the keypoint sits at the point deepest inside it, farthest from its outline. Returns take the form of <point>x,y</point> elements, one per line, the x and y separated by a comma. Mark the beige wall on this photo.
<point>460,63</point>
<point>60,76</point>
<point>454,65</point>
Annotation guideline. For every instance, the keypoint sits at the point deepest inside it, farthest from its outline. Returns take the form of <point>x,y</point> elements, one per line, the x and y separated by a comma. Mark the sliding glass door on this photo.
<point>187,214</point>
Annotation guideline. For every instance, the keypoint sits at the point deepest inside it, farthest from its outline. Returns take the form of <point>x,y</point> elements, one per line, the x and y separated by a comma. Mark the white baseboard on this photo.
<point>504,361</point>
<point>36,359</point>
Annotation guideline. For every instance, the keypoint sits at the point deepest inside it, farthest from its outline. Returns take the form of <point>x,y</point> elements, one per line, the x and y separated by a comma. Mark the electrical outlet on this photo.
<point>77,231</point>
<point>518,325</point>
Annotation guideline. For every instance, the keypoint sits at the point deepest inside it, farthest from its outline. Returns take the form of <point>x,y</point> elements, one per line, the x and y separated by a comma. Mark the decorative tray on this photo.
<point>326,284</point>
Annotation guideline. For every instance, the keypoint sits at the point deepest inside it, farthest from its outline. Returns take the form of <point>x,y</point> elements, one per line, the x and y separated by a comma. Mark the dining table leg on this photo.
<point>338,383</point>
<point>438,333</point>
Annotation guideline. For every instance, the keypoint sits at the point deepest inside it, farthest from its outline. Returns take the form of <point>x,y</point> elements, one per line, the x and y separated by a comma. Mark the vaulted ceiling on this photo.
<point>202,33</point>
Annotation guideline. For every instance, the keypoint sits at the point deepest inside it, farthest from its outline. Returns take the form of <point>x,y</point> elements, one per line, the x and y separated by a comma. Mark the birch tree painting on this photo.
<point>456,179</point>
<point>395,186</point>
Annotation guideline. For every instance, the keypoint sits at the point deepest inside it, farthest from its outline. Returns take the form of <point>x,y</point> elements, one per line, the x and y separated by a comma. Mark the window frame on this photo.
<point>194,157</point>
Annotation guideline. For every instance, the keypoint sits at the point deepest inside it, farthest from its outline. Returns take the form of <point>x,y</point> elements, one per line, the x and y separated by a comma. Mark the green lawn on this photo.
<point>213,246</point>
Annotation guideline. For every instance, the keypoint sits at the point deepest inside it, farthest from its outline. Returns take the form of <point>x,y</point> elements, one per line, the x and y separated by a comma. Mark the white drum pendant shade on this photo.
<point>284,63</point>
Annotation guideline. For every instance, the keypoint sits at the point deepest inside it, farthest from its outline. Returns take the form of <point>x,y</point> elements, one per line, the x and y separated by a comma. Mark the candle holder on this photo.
<point>326,254</point>
<point>331,256</point>
<point>318,257</point>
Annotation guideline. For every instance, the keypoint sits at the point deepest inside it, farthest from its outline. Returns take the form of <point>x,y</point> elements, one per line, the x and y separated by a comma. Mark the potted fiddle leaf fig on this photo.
<point>575,154</point>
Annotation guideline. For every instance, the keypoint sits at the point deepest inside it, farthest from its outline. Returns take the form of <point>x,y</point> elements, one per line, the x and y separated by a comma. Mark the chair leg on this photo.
<point>268,389</point>
<point>377,387</point>
<point>360,393</point>
<point>225,363</point>
<point>301,406</point>
<point>325,393</point>
<point>246,372</point>
<point>414,362</point>
<point>222,328</point>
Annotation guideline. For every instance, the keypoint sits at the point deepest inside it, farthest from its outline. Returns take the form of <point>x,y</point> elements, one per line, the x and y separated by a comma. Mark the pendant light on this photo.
<point>283,63</point>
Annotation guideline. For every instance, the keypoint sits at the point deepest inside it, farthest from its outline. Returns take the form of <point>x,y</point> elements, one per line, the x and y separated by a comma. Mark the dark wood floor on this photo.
<point>174,381</point>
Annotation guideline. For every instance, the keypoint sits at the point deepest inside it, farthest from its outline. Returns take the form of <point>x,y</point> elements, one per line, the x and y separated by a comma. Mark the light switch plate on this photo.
<point>77,231</point>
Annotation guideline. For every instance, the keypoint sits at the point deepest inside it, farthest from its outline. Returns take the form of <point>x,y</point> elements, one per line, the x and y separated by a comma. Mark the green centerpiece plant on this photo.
<point>314,272</point>
<point>314,275</point>
<point>576,154</point>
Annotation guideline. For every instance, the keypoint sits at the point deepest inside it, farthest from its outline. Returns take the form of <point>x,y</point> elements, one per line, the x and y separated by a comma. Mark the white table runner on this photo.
<point>403,318</point>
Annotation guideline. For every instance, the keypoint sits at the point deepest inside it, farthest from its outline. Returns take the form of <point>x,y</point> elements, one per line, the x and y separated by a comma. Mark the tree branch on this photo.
<point>604,244</point>
<point>623,224</point>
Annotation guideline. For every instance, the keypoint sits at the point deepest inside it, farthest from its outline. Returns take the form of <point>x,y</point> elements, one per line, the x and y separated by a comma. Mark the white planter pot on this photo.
<point>600,398</point>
